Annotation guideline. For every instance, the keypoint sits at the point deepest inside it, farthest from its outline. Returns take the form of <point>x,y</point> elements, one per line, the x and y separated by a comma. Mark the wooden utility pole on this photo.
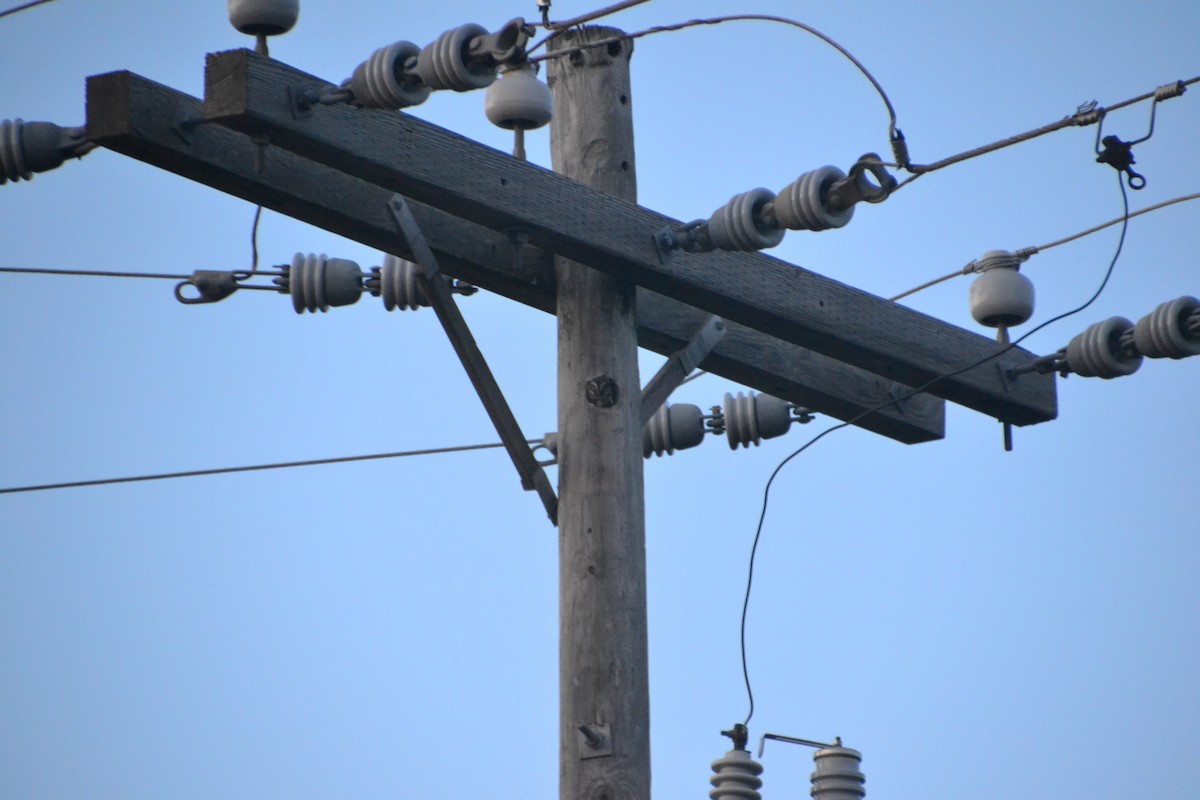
<point>604,695</point>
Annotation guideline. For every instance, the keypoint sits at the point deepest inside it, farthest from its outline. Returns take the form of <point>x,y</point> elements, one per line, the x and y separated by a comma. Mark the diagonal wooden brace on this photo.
<point>533,477</point>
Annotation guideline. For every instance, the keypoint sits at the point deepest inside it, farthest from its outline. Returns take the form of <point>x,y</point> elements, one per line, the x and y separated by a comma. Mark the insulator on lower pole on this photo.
<point>388,79</point>
<point>1097,352</point>
<point>803,205</point>
<point>1166,331</point>
<point>673,427</point>
<point>750,418</point>
<point>1000,297</point>
<point>735,777</point>
<point>741,224</point>
<point>317,282</point>
<point>837,776</point>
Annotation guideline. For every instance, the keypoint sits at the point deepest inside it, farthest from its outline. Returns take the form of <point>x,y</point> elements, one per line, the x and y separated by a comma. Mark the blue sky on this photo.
<point>976,622</point>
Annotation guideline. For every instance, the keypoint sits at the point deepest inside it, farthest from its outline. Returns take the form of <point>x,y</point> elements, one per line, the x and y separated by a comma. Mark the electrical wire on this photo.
<point>923,387</point>
<point>254,240</point>
<point>93,273</point>
<point>582,18</point>
<point>254,468</point>
<point>23,7</point>
<point>1029,251</point>
<point>731,18</point>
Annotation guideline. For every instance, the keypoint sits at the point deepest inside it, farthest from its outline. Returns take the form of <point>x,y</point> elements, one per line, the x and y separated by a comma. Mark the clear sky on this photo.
<point>979,624</point>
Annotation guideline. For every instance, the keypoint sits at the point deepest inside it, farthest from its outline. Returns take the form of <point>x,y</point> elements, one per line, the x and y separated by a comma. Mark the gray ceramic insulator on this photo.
<point>1000,296</point>
<point>399,286</point>
<point>266,17</point>
<point>837,776</point>
<point>29,147</point>
<point>801,206</point>
<point>1163,333</point>
<point>519,100</point>
<point>1096,353</point>
<point>751,418</point>
<point>317,282</point>
<point>445,64</point>
<point>674,427</point>
<point>382,81</point>
<point>739,225</point>
<point>735,777</point>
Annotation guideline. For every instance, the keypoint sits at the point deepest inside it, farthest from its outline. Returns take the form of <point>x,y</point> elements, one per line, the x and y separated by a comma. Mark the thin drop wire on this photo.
<point>591,15</point>
<point>767,490</point>
<point>734,18</point>
<point>24,7</point>
<point>254,468</point>
<point>254,240</point>
<point>1042,248</point>
<point>93,273</point>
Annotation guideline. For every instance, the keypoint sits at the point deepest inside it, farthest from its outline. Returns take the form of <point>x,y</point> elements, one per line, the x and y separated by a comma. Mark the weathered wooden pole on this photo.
<point>604,695</point>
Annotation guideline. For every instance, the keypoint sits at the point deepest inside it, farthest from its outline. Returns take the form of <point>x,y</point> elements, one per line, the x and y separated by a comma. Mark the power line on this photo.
<point>23,7</point>
<point>767,489</point>
<point>254,468</point>
<point>582,18</point>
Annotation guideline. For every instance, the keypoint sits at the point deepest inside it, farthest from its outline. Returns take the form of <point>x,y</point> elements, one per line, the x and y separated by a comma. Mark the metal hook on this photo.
<point>1119,155</point>
<point>213,286</point>
<point>858,186</point>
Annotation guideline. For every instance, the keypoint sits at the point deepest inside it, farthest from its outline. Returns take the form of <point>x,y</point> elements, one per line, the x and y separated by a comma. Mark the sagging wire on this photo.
<point>254,240</point>
<point>254,468</point>
<point>1025,253</point>
<point>923,387</point>
<point>733,18</point>
<point>544,5</point>
<point>23,7</point>
<point>1086,114</point>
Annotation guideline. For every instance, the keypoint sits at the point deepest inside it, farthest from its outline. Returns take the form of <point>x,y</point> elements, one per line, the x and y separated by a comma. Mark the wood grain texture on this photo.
<point>603,651</point>
<point>140,118</point>
<point>435,166</point>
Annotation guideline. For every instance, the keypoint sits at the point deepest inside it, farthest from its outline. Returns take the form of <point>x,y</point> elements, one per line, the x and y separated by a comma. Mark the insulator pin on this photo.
<point>740,225</point>
<point>837,776</point>
<point>1097,352</point>
<point>753,417</point>
<point>385,80</point>
<point>446,63</point>
<point>736,777</point>
<point>1165,331</point>
<point>1001,296</point>
<point>673,427</point>
<point>803,205</point>
<point>317,283</point>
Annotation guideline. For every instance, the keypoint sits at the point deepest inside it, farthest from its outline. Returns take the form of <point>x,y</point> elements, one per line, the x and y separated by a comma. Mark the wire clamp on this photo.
<point>212,285</point>
<point>1119,155</point>
<point>858,186</point>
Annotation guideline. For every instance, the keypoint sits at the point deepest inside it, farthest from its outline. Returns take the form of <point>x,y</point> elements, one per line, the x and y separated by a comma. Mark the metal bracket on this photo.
<point>301,99</point>
<point>679,365</point>
<point>666,243</point>
<point>595,740</point>
<point>859,187</point>
<point>533,477</point>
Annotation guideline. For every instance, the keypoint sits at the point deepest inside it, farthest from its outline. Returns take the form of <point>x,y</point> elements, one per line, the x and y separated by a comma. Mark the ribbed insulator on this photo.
<point>519,100</point>
<point>29,147</point>
<point>739,224</point>
<point>751,418</point>
<point>675,427</point>
<point>317,282</point>
<point>736,777</point>
<point>1000,296</point>
<point>383,80</point>
<point>445,63</point>
<point>266,17</point>
<point>398,285</point>
<point>1165,331</point>
<point>1097,353</point>
<point>802,205</point>
<point>837,776</point>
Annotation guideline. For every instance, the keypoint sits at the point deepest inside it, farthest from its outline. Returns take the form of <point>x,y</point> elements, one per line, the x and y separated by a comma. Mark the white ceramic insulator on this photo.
<point>675,427</point>
<point>738,225</point>
<point>317,282</point>
<point>382,80</point>
<point>753,417</point>
<point>1001,296</point>
<point>736,777</point>
<point>444,64</point>
<point>266,17</point>
<point>837,776</point>
<point>801,206</point>
<point>1096,352</point>
<point>1163,333</point>
<point>399,286</point>
<point>519,100</point>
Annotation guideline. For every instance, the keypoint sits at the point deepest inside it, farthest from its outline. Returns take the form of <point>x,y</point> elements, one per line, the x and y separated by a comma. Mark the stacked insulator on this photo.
<point>318,282</point>
<point>735,777</point>
<point>1115,347</point>
<point>1170,331</point>
<point>396,282</point>
<point>837,776</point>
<point>750,418</point>
<point>673,427</point>
<point>386,79</point>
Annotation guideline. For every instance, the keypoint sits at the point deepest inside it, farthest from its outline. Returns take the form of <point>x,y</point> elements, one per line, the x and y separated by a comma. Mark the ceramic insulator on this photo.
<point>383,81</point>
<point>751,418</point>
<point>445,64</point>
<point>519,100</point>
<point>1001,296</point>
<point>317,282</point>
<point>837,776</point>
<point>802,205</point>
<point>735,777</point>
<point>1164,332</point>
<point>266,17</point>
<point>738,225</point>
<point>1096,353</point>
<point>674,427</point>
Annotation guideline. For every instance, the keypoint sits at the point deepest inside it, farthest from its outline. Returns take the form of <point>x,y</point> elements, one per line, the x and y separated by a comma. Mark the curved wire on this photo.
<point>733,18</point>
<point>23,7</point>
<point>923,387</point>
<point>588,17</point>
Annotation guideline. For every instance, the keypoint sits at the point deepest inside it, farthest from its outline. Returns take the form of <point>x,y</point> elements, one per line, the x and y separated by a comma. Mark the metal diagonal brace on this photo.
<point>533,477</point>
<point>679,365</point>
